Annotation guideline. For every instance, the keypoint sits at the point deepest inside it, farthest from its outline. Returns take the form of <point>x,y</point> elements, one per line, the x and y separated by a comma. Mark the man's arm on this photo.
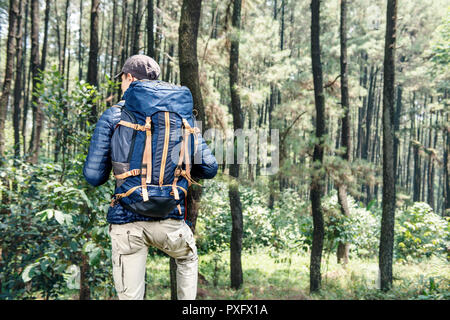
<point>97,166</point>
<point>207,167</point>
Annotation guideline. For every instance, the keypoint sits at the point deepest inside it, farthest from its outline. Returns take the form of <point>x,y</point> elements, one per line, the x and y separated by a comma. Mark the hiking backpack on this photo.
<point>150,148</point>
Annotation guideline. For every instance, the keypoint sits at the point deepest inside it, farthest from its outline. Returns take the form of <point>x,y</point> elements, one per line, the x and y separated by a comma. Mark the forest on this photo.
<point>353,96</point>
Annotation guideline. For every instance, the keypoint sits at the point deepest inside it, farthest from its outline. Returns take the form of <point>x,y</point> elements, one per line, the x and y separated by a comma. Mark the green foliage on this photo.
<point>213,226</point>
<point>360,229</point>
<point>288,226</point>
<point>421,233</point>
<point>54,217</point>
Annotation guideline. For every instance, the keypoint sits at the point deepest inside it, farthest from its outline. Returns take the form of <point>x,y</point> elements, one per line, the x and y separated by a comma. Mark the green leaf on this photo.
<point>85,198</point>
<point>59,216</point>
<point>26,272</point>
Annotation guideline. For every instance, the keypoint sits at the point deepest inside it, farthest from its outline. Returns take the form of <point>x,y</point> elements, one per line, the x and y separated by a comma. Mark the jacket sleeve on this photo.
<point>204,163</point>
<point>97,165</point>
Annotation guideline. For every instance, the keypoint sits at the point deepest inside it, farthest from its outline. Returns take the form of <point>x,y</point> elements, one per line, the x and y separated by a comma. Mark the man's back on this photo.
<point>150,141</point>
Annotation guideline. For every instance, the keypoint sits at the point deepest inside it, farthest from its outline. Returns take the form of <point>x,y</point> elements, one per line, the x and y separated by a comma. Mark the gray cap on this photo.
<point>141,67</point>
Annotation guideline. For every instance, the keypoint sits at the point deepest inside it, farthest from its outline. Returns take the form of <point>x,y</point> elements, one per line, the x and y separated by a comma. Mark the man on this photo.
<point>132,233</point>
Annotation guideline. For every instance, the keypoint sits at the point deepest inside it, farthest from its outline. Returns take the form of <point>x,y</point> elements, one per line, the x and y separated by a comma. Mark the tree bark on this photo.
<point>282,27</point>
<point>85,290</point>
<point>18,81</point>
<point>66,16</point>
<point>45,42</point>
<point>35,67</point>
<point>173,278</point>
<point>80,48</point>
<point>398,112</point>
<point>26,84</point>
<point>113,39</point>
<point>158,31</point>
<point>416,174</point>
<point>446,189</point>
<point>137,19</point>
<point>93,54</point>
<point>187,52</point>
<point>236,275</point>
<point>343,248</point>
<point>317,178</point>
<point>10,54</point>
<point>388,215</point>
<point>150,35</point>
<point>189,76</point>
<point>430,180</point>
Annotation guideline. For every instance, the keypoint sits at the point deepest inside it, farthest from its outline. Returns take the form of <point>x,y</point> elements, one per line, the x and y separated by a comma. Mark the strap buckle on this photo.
<point>178,171</point>
<point>148,124</point>
<point>135,172</point>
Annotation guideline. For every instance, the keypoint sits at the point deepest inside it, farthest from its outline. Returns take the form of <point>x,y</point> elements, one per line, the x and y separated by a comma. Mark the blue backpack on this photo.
<point>151,149</point>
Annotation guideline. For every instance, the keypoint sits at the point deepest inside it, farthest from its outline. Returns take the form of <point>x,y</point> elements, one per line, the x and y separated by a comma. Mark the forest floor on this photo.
<point>270,275</point>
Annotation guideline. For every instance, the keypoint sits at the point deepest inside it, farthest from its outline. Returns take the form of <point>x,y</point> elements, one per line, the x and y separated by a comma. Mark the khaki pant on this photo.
<point>130,244</point>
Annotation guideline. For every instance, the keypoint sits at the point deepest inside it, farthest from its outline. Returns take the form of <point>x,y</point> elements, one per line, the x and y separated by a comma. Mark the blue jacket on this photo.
<point>97,166</point>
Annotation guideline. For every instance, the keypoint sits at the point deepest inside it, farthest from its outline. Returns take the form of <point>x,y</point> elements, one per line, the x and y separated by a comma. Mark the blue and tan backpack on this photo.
<point>151,149</point>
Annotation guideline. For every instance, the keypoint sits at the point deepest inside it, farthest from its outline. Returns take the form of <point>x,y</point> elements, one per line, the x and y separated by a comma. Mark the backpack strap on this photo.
<point>134,172</point>
<point>131,125</point>
<point>184,153</point>
<point>146,169</point>
<point>116,197</point>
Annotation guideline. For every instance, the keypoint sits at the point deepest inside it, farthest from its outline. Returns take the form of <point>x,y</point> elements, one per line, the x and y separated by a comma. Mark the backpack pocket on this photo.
<point>160,204</point>
<point>156,207</point>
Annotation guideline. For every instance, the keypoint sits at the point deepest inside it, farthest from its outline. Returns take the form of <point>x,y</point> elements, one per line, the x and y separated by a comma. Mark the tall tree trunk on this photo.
<point>45,42</point>
<point>446,189</point>
<point>236,275</point>
<point>317,178</point>
<point>187,52</point>
<point>388,215</point>
<point>44,51</point>
<point>431,174</point>
<point>113,38</point>
<point>137,19</point>
<point>189,76</point>
<point>150,35</point>
<point>18,81</point>
<point>416,175</point>
<point>93,54</point>
<point>369,110</point>
<point>26,83</point>
<point>158,32</point>
<point>66,18</point>
<point>168,64</point>
<point>430,164</point>
<point>282,27</point>
<point>35,66</point>
<point>410,144</point>
<point>80,48</point>
<point>85,290</point>
<point>58,40</point>
<point>10,54</point>
<point>343,248</point>
<point>398,112</point>
<point>112,71</point>
<point>361,111</point>
<point>123,32</point>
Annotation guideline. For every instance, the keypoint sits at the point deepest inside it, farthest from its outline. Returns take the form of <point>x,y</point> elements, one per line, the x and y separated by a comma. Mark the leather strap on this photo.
<point>134,172</point>
<point>146,170</point>
<point>134,126</point>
